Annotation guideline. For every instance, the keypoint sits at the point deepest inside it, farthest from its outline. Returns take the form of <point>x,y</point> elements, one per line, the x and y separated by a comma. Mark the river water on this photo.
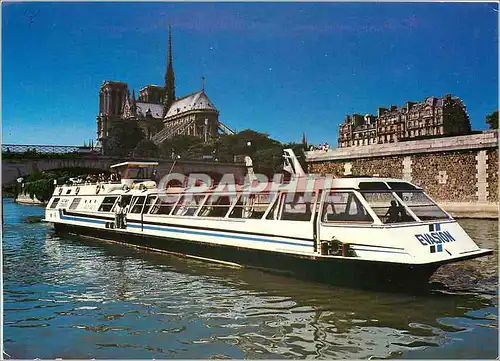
<point>68,297</point>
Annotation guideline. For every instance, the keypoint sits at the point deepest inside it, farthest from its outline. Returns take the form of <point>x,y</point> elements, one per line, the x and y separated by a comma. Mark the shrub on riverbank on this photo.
<point>41,184</point>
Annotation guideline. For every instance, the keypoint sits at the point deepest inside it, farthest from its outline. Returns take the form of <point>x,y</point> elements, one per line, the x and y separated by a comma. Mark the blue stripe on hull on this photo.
<point>180,229</point>
<point>80,219</point>
<point>212,234</point>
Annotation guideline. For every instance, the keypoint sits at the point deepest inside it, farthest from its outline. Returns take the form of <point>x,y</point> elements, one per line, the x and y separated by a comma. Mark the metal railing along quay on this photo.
<point>45,149</point>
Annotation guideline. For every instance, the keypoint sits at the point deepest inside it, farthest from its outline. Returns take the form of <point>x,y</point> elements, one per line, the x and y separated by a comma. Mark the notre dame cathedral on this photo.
<point>158,112</point>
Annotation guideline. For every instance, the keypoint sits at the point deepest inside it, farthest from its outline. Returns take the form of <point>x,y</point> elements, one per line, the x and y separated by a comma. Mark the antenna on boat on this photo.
<point>291,163</point>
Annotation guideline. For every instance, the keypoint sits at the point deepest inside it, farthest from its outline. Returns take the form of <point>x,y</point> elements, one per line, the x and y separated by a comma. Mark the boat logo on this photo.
<point>438,237</point>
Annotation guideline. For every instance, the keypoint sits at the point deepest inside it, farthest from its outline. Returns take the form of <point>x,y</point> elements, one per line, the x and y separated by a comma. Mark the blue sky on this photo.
<point>279,68</point>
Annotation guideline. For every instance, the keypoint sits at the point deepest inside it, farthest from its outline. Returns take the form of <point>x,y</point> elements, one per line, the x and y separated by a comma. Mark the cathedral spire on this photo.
<point>169,77</point>
<point>133,105</point>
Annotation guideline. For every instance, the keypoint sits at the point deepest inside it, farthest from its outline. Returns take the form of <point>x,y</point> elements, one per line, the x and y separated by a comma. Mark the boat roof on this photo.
<point>374,183</point>
<point>319,182</point>
<point>136,164</point>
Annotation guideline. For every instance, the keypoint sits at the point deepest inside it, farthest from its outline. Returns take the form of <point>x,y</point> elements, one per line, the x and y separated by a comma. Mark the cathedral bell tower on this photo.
<point>169,77</point>
<point>112,98</point>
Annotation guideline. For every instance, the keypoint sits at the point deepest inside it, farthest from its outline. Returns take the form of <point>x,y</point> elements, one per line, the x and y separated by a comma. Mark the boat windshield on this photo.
<point>422,206</point>
<point>390,209</point>
<point>139,173</point>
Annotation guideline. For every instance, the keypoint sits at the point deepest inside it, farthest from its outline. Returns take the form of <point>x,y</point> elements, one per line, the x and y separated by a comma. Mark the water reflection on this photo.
<point>478,275</point>
<point>72,297</point>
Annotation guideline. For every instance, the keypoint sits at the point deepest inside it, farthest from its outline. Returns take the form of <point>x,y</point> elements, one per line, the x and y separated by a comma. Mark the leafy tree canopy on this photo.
<point>492,120</point>
<point>179,145</point>
<point>127,135</point>
<point>265,152</point>
<point>146,148</point>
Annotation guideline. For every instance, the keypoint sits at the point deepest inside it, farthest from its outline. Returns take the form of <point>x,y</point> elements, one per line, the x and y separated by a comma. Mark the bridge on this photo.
<point>23,160</point>
<point>46,149</point>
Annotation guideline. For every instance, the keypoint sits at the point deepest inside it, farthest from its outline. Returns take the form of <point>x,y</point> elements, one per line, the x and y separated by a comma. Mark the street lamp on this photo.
<point>175,158</point>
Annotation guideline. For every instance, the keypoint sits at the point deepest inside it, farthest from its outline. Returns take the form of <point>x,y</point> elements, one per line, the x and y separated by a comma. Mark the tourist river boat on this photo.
<point>354,230</point>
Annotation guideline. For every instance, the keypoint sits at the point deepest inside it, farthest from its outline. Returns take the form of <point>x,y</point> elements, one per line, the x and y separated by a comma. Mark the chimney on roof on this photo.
<point>393,107</point>
<point>381,111</point>
<point>357,120</point>
<point>431,101</point>
<point>409,105</point>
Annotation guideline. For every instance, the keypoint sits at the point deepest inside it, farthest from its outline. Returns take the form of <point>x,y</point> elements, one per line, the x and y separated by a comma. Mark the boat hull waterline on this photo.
<point>341,271</point>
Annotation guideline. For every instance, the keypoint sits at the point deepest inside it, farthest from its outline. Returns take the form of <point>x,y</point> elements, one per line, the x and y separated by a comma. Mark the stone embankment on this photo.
<point>460,173</point>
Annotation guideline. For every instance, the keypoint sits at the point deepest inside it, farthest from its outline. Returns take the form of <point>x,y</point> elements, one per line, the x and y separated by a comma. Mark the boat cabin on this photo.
<point>347,201</point>
<point>135,172</point>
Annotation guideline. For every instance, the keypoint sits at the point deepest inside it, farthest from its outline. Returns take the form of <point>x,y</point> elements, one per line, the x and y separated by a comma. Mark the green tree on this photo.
<point>269,160</point>
<point>265,152</point>
<point>127,134</point>
<point>246,142</point>
<point>492,120</point>
<point>146,148</point>
<point>42,189</point>
<point>198,150</point>
<point>179,145</point>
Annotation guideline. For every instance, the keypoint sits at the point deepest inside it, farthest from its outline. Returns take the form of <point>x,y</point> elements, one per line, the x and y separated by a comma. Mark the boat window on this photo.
<point>344,207</point>
<point>164,204</point>
<point>126,200</point>
<point>188,205</point>
<point>251,206</point>
<point>402,186</point>
<point>274,211</point>
<point>75,203</point>
<point>54,203</point>
<point>138,173</point>
<point>372,186</point>
<point>107,204</point>
<point>297,206</point>
<point>149,203</point>
<point>216,206</point>
<point>423,207</point>
<point>139,203</point>
<point>387,207</point>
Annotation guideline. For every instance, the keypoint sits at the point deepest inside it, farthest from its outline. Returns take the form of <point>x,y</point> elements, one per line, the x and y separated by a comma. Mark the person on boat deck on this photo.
<point>124,215</point>
<point>118,215</point>
<point>393,213</point>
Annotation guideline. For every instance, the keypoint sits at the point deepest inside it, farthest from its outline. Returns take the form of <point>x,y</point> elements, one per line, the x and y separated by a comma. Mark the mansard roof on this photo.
<point>194,101</point>
<point>156,110</point>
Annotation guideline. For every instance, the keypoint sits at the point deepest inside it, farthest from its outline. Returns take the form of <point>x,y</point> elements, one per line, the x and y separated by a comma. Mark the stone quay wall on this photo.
<point>460,173</point>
